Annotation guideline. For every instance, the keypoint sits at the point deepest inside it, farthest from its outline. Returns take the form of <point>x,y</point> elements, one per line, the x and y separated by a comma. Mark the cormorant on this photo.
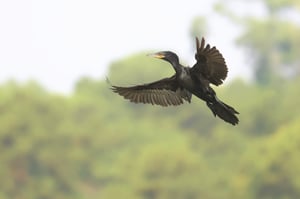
<point>209,68</point>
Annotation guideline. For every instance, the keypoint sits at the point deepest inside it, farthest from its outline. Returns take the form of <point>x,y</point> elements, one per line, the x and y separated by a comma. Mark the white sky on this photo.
<point>55,42</point>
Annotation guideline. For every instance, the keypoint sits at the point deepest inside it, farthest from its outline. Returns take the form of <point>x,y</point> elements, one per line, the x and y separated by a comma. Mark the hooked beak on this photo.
<point>158,55</point>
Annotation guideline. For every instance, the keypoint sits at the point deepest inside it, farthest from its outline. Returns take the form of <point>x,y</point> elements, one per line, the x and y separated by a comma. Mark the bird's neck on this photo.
<point>177,67</point>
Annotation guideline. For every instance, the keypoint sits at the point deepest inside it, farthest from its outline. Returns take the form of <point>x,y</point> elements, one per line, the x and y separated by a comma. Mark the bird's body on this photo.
<point>184,79</point>
<point>187,81</point>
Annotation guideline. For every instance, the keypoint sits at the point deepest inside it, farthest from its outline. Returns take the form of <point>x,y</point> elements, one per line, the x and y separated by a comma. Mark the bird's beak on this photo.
<point>157,55</point>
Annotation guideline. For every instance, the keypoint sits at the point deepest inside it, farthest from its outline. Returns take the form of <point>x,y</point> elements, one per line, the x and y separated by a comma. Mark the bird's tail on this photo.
<point>223,111</point>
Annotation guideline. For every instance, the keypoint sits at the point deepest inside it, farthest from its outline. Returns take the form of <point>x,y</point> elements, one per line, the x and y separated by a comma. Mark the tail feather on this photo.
<point>224,111</point>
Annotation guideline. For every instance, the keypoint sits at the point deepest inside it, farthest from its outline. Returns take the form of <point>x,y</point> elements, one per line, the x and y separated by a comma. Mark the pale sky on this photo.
<point>55,42</point>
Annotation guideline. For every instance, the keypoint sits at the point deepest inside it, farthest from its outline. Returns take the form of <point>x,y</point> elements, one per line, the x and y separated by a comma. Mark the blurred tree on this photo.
<point>275,171</point>
<point>272,40</point>
<point>92,144</point>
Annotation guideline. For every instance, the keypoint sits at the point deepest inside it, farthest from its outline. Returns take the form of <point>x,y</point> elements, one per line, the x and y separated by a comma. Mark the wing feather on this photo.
<point>165,92</point>
<point>210,63</point>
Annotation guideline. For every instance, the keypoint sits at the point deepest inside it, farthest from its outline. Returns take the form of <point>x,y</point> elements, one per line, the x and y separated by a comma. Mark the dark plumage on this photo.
<point>209,68</point>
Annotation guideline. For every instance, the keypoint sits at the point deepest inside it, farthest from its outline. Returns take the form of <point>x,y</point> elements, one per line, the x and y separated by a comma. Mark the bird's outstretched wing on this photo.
<point>164,92</point>
<point>210,63</point>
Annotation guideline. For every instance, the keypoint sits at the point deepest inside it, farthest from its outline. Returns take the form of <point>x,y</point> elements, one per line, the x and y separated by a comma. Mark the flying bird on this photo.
<point>210,68</point>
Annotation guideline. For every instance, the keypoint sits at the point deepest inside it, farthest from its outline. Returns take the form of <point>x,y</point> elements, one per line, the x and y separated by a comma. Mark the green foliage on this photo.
<point>278,5</point>
<point>94,144</point>
<point>273,47</point>
<point>272,42</point>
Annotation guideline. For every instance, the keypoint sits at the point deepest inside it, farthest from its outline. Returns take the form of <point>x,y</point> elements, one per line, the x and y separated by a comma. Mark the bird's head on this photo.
<point>167,56</point>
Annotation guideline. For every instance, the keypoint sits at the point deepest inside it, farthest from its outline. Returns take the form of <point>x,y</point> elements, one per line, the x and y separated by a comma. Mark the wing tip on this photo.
<point>200,46</point>
<point>197,43</point>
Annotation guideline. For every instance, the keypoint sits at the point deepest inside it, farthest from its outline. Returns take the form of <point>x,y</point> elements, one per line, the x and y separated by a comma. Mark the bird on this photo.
<point>210,68</point>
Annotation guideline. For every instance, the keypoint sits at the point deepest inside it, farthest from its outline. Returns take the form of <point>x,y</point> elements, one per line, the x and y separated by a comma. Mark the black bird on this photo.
<point>209,68</point>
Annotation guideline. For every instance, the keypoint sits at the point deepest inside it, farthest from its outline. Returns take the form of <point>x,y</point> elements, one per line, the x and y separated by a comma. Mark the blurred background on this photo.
<point>64,134</point>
